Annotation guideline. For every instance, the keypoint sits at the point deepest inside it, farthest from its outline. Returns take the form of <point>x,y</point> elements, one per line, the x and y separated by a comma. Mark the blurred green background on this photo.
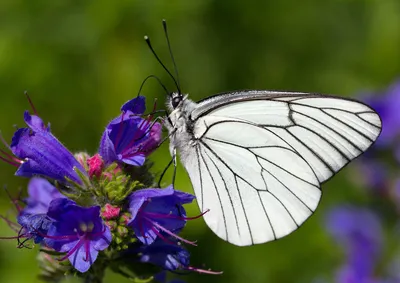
<point>80,60</point>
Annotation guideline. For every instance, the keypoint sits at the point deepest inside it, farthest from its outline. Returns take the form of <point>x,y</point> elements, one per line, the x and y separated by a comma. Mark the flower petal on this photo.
<point>41,193</point>
<point>137,198</point>
<point>167,256</point>
<point>35,122</point>
<point>104,241</point>
<point>144,232</point>
<point>136,105</point>
<point>83,257</point>
<point>136,160</point>
<point>36,225</point>
<point>184,197</point>
<point>107,150</point>
<point>58,207</point>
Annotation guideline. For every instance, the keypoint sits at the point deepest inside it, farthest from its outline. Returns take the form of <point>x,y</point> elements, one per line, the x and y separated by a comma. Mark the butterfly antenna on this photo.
<point>147,39</point>
<point>171,54</point>
<point>159,81</point>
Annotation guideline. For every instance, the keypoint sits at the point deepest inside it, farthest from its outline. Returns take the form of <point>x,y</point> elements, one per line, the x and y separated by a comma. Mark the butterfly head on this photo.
<point>175,99</point>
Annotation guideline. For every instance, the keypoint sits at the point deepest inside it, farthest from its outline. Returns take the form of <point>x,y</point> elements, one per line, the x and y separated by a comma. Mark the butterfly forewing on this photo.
<point>327,131</point>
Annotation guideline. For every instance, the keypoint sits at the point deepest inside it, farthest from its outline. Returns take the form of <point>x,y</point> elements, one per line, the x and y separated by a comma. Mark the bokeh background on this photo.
<point>80,60</point>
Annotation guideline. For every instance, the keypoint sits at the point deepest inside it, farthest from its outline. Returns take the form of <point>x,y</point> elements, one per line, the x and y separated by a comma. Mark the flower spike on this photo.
<point>87,211</point>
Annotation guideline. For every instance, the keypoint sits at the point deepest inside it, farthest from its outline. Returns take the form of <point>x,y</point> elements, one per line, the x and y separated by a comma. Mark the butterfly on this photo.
<point>257,158</point>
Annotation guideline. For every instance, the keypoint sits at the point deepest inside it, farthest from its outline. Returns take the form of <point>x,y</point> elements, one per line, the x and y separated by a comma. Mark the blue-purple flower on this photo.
<point>133,224</point>
<point>169,256</point>
<point>77,231</point>
<point>40,194</point>
<point>129,138</point>
<point>33,226</point>
<point>33,218</point>
<point>387,105</point>
<point>42,154</point>
<point>359,231</point>
<point>375,175</point>
<point>28,227</point>
<point>158,213</point>
<point>372,166</point>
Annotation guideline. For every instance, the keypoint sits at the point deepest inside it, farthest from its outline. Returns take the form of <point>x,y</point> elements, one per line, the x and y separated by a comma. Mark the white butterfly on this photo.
<point>256,159</point>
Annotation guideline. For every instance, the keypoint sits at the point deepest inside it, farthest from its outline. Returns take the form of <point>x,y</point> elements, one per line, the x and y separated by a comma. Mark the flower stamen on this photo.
<point>76,247</point>
<point>15,201</point>
<point>134,139</point>
<point>11,224</point>
<point>9,237</point>
<point>31,103</point>
<point>3,141</point>
<point>205,271</point>
<point>139,150</point>
<point>11,157</point>
<point>11,162</point>
<point>141,228</point>
<point>168,232</point>
<point>159,215</point>
<point>161,236</point>
<point>22,244</point>
<point>87,248</point>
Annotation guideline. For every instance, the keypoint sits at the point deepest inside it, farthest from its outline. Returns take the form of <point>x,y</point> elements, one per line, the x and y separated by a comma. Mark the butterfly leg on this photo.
<point>174,160</point>
<point>173,177</point>
<point>163,173</point>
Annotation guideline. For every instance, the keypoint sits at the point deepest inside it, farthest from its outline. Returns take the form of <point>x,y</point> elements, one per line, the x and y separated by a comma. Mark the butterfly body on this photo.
<point>180,126</point>
<point>256,159</point>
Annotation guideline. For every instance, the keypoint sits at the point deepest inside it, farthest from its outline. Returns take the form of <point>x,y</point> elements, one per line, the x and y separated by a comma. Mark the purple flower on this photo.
<point>375,174</point>
<point>28,226</point>
<point>33,226</point>
<point>359,231</point>
<point>167,256</point>
<point>130,138</point>
<point>387,105</point>
<point>348,275</point>
<point>41,193</point>
<point>42,153</point>
<point>77,231</point>
<point>158,212</point>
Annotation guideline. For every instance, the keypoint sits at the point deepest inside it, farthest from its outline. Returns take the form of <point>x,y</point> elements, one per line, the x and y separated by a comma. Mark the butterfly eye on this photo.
<point>176,100</point>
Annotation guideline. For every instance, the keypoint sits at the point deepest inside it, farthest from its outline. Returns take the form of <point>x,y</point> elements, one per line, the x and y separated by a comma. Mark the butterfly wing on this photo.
<point>260,158</point>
